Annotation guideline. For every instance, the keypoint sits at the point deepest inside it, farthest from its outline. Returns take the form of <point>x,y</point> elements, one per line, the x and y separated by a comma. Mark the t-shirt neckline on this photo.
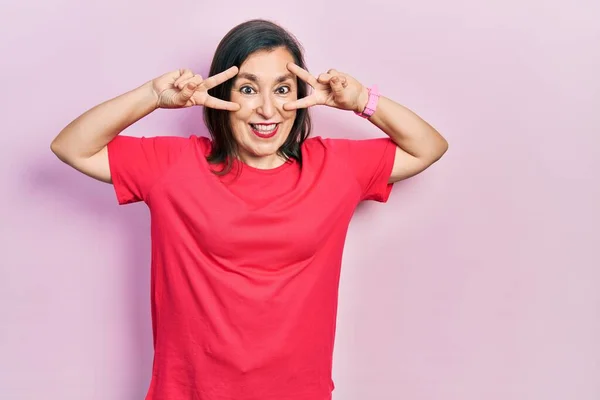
<point>269,171</point>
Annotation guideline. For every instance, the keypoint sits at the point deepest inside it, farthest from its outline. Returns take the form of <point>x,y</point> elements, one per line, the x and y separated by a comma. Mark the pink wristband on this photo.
<point>371,103</point>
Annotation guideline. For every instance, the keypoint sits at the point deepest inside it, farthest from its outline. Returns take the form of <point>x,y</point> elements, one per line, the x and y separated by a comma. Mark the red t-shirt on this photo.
<point>245,271</point>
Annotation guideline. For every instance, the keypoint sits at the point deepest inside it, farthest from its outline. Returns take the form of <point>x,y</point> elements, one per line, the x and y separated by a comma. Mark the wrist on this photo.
<point>363,99</point>
<point>151,94</point>
<point>367,109</point>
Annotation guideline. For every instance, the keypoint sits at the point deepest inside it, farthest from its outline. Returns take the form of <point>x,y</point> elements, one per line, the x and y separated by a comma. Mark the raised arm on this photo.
<point>418,144</point>
<point>83,143</point>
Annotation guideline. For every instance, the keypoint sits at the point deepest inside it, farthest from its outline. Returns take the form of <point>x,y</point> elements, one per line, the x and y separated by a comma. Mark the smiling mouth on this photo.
<point>265,130</point>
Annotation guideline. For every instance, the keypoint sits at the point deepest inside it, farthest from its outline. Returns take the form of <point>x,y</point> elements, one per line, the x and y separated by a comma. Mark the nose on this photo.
<point>266,108</point>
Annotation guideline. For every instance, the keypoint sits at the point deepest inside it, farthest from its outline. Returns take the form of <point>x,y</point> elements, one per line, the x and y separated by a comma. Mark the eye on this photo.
<point>246,90</point>
<point>283,90</point>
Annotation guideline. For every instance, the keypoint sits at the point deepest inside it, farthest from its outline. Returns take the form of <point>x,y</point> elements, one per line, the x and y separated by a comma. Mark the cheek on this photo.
<point>243,113</point>
<point>246,107</point>
<point>247,104</point>
<point>290,116</point>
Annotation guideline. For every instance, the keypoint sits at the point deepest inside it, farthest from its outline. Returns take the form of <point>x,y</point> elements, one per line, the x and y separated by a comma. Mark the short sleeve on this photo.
<point>136,163</point>
<point>371,162</point>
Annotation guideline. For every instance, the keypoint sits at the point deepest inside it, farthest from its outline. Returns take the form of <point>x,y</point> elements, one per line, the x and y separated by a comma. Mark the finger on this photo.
<point>186,93</point>
<point>324,78</point>
<point>184,74</point>
<point>221,77</point>
<point>197,79</point>
<point>302,74</point>
<point>333,71</point>
<point>213,102</point>
<point>336,85</point>
<point>305,102</point>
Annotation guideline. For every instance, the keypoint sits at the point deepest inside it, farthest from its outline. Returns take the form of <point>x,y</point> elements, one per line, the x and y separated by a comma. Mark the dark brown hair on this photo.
<point>235,47</point>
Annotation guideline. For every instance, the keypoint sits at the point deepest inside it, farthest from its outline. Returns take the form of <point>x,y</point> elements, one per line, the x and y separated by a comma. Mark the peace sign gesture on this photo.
<point>183,88</point>
<point>333,89</point>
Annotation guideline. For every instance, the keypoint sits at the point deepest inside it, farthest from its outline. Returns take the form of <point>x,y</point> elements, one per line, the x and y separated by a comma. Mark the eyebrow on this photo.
<point>254,78</point>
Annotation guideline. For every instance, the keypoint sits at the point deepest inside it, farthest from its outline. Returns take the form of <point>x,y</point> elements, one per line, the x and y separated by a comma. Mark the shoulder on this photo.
<point>320,144</point>
<point>202,143</point>
<point>319,141</point>
<point>335,147</point>
<point>327,152</point>
<point>317,149</point>
<point>147,144</point>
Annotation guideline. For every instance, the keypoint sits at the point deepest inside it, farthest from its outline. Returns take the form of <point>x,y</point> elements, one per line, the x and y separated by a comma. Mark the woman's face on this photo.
<point>261,125</point>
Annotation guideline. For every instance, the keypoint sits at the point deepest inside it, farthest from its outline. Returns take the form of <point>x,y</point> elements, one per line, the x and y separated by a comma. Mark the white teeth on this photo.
<point>264,128</point>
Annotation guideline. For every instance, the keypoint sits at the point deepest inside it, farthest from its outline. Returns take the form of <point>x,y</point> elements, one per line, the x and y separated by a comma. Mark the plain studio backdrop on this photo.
<point>478,280</point>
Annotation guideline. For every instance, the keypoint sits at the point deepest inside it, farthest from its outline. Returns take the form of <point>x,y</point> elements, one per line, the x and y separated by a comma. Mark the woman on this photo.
<point>248,227</point>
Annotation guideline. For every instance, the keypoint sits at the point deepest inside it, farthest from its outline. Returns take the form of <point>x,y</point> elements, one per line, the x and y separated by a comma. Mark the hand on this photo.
<point>183,88</point>
<point>334,89</point>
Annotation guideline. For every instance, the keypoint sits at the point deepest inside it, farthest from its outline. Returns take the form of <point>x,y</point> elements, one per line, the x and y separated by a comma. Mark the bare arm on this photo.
<point>419,145</point>
<point>82,143</point>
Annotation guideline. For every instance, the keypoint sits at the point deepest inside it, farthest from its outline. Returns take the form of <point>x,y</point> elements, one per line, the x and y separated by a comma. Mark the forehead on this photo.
<point>267,64</point>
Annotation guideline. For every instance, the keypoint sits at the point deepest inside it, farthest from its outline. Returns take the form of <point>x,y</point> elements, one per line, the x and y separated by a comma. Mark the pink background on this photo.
<point>478,280</point>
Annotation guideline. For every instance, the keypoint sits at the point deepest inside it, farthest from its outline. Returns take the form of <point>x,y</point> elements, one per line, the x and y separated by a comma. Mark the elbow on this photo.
<point>440,149</point>
<point>58,150</point>
<point>443,147</point>
<point>55,147</point>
